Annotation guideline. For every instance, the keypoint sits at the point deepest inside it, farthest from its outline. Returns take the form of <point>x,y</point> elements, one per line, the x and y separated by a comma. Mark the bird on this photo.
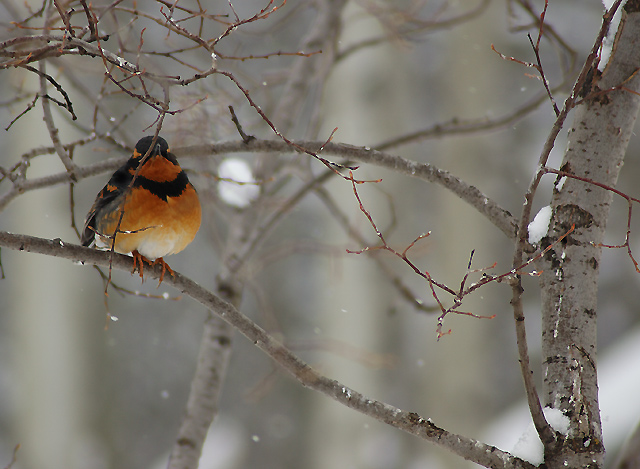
<point>148,208</point>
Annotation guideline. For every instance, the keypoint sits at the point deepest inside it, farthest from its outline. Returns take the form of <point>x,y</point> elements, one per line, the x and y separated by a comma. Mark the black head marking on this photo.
<point>144,143</point>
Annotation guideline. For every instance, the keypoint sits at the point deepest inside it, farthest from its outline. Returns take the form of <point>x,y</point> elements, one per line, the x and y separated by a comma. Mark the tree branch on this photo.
<point>486,206</point>
<point>500,217</point>
<point>410,422</point>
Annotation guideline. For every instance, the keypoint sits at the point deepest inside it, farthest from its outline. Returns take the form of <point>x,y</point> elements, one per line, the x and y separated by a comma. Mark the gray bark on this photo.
<point>597,144</point>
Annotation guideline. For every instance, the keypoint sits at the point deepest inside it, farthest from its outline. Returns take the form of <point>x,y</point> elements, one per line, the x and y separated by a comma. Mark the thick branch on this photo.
<point>497,215</point>
<point>500,217</point>
<point>410,422</point>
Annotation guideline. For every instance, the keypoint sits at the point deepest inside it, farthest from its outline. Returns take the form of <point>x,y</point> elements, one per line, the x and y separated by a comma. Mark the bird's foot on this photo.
<point>139,259</point>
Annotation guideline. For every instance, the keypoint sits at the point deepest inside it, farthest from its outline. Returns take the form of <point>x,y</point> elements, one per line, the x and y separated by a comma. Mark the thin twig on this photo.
<point>67,102</point>
<point>245,138</point>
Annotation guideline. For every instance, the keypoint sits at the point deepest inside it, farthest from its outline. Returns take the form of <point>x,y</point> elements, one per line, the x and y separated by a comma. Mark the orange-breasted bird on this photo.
<point>148,208</point>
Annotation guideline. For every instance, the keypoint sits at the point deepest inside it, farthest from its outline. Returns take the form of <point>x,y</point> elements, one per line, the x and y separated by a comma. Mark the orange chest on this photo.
<point>151,225</point>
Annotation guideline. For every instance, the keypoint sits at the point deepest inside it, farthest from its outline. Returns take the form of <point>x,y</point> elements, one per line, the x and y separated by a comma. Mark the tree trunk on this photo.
<point>597,143</point>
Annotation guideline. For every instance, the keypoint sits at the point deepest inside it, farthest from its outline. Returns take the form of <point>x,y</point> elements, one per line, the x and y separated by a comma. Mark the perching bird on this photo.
<point>150,211</point>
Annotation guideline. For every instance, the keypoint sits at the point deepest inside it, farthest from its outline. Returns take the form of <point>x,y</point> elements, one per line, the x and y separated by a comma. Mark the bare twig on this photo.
<point>52,128</point>
<point>245,138</point>
<point>67,102</point>
<point>335,167</point>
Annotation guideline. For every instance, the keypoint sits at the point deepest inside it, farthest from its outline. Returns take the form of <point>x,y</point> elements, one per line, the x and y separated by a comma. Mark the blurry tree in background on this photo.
<point>359,164</point>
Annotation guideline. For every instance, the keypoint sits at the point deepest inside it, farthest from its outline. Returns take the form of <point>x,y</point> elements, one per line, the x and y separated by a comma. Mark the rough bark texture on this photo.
<point>597,143</point>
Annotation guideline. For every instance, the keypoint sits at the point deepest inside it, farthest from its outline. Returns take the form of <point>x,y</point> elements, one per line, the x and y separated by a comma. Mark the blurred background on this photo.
<point>78,390</point>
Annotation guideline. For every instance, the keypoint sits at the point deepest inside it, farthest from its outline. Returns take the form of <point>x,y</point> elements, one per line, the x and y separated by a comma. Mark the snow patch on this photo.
<point>540,225</point>
<point>529,447</point>
<point>607,43</point>
<point>557,420</point>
